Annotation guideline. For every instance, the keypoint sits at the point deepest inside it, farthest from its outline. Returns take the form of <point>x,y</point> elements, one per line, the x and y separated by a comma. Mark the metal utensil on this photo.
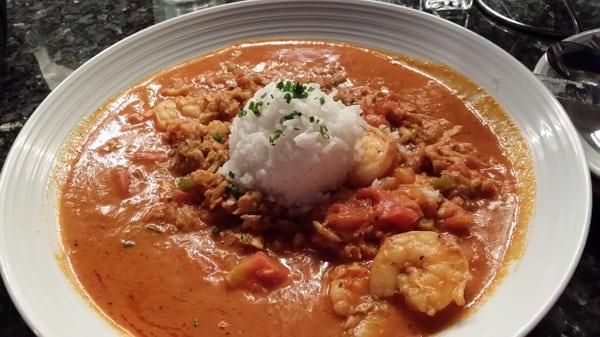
<point>572,60</point>
<point>581,101</point>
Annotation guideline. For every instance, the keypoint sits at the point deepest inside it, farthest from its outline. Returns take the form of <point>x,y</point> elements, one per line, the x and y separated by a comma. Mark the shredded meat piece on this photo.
<point>249,203</point>
<point>185,218</point>
<point>197,146</point>
<point>210,185</point>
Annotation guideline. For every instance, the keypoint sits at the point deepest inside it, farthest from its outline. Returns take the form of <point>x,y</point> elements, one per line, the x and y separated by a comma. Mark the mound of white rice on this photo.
<point>293,142</point>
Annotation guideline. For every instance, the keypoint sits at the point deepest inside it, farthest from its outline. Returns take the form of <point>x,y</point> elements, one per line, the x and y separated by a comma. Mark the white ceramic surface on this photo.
<point>543,68</point>
<point>28,224</point>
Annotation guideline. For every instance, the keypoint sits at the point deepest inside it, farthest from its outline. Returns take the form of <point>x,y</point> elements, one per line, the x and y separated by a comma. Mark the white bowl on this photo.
<point>29,239</point>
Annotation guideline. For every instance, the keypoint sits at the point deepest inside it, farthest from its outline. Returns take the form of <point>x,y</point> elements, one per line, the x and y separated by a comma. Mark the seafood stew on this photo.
<point>297,188</point>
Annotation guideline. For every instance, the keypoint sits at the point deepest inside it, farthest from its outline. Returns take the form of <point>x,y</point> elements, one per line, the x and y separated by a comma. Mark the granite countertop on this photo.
<point>47,39</point>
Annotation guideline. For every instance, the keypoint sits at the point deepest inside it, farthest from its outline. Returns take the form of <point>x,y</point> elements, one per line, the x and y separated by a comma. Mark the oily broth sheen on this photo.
<point>170,285</point>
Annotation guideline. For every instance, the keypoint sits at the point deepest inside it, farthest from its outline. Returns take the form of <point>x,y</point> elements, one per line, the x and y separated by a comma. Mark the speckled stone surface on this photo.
<point>47,39</point>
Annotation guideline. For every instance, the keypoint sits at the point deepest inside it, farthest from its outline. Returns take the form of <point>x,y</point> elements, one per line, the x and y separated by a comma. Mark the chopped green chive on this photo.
<point>322,100</point>
<point>276,134</point>
<point>185,183</point>
<point>311,119</point>
<point>299,91</point>
<point>233,190</point>
<point>289,116</point>
<point>217,137</point>
<point>323,131</point>
<point>231,175</point>
<point>255,107</point>
<point>128,243</point>
<point>284,86</point>
<point>293,90</point>
<point>242,113</point>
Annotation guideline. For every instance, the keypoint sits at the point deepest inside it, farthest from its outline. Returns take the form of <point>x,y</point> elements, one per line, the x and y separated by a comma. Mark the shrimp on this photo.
<point>378,155</point>
<point>349,294</point>
<point>429,269</point>
<point>164,112</point>
<point>370,319</point>
<point>349,284</point>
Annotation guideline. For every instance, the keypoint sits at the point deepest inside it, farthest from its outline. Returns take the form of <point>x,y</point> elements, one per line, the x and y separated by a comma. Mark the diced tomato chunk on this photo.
<point>455,218</point>
<point>385,107</point>
<point>243,81</point>
<point>148,157</point>
<point>259,269</point>
<point>122,181</point>
<point>457,222</point>
<point>429,206</point>
<point>392,211</point>
<point>376,120</point>
<point>372,194</point>
<point>398,212</point>
<point>347,216</point>
<point>182,197</point>
<point>472,162</point>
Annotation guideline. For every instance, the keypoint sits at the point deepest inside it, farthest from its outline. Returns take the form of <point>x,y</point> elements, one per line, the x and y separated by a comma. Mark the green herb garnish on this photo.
<point>285,86</point>
<point>234,190</point>
<point>217,136</point>
<point>322,100</point>
<point>231,175</point>
<point>299,91</point>
<point>242,113</point>
<point>289,116</point>
<point>444,183</point>
<point>323,131</point>
<point>311,119</point>
<point>185,183</point>
<point>255,107</point>
<point>293,90</point>
<point>128,243</point>
<point>245,238</point>
<point>276,134</point>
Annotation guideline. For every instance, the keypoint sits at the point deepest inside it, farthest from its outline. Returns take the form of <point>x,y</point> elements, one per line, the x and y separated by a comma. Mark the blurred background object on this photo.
<point>166,9</point>
<point>552,19</point>
<point>446,5</point>
<point>3,28</point>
